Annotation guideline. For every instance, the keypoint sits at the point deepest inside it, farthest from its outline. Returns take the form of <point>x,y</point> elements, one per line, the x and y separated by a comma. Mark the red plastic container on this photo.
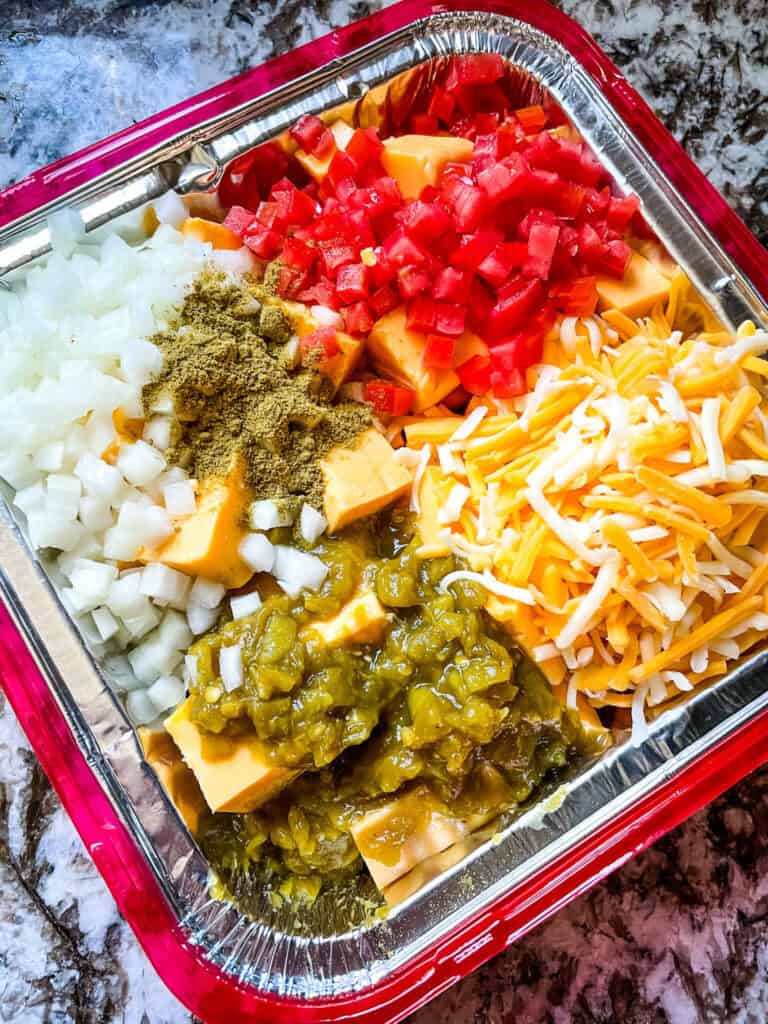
<point>210,991</point>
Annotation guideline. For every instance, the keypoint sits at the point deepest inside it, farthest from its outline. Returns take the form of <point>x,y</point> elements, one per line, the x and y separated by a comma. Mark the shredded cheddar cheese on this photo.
<point>618,518</point>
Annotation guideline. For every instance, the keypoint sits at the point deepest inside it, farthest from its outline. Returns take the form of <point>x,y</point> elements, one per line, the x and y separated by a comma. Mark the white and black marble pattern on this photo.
<point>680,934</point>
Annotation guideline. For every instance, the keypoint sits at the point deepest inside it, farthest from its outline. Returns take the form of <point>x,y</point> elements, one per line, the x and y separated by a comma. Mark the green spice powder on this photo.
<point>235,392</point>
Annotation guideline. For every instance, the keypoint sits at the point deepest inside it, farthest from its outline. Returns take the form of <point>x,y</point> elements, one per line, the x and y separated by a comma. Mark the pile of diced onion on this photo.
<point>74,335</point>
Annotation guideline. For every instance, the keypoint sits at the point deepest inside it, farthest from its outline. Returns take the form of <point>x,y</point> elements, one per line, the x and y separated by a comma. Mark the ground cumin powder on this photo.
<point>234,390</point>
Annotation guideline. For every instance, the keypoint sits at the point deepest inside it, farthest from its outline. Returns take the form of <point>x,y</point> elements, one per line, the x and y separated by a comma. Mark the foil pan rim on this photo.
<point>311,967</point>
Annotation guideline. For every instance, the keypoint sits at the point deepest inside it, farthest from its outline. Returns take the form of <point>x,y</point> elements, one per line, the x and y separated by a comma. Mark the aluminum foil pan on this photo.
<point>469,901</point>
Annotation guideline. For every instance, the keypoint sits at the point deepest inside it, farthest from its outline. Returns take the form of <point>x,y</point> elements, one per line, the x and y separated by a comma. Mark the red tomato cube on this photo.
<point>438,352</point>
<point>388,399</point>
<point>239,220</point>
<point>352,282</point>
<point>320,345</point>
<point>475,375</point>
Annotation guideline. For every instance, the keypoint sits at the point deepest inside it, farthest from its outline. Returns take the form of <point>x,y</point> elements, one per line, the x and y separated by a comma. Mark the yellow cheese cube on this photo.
<point>361,480</point>
<point>176,778</point>
<point>361,621</point>
<point>639,290</point>
<point>433,494</point>
<point>209,231</point>
<point>398,353</point>
<point>316,168</point>
<point>234,774</point>
<point>415,161</point>
<point>206,543</point>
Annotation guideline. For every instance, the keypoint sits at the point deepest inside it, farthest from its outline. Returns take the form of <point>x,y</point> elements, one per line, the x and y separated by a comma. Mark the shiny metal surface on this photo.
<point>332,949</point>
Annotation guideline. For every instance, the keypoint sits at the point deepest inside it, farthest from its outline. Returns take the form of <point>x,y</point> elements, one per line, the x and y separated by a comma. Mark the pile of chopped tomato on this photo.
<point>500,246</point>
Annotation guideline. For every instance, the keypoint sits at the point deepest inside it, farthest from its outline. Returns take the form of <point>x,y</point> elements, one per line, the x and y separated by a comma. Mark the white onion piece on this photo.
<point>99,478</point>
<point>105,623</point>
<point>190,668</point>
<point>140,708</point>
<point>180,499</point>
<point>142,622</point>
<point>231,667</point>
<point>65,230</point>
<point>245,604</point>
<point>207,593</point>
<point>169,209</point>
<point>139,463</point>
<point>94,514</point>
<point>199,618</point>
<point>158,432</point>
<point>162,583</point>
<point>296,570</point>
<point>62,495</point>
<point>266,515</point>
<point>166,692</point>
<point>257,552</point>
<point>174,631</point>
<point>50,457</point>
<point>47,530</point>
<point>326,317</point>
<point>125,597</point>
<point>30,498</point>
<point>311,524</point>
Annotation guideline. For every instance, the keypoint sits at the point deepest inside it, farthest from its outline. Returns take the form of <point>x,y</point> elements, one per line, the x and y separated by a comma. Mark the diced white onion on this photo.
<point>140,708</point>
<point>179,498</point>
<point>257,552</point>
<point>139,463</point>
<point>267,515</point>
<point>169,209</point>
<point>245,604</point>
<point>326,317</point>
<point>200,619</point>
<point>162,583</point>
<point>174,632</point>
<point>99,478</point>
<point>105,623</point>
<point>231,667</point>
<point>158,432</point>
<point>207,593</point>
<point>296,570</point>
<point>311,523</point>
<point>165,693</point>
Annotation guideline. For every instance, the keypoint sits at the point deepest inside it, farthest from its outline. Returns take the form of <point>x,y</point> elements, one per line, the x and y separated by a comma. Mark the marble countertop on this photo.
<point>680,934</point>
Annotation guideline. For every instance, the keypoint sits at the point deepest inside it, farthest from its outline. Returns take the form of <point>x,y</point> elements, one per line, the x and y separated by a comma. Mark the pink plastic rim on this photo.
<point>220,999</point>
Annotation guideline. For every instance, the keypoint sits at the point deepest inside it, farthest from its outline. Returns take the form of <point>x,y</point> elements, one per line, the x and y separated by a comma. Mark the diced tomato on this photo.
<point>507,385</point>
<point>291,281</point>
<point>249,178</point>
<point>423,124</point>
<point>513,353</point>
<point>595,203</point>
<point>308,133</point>
<point>382,196</point>
<point>321,344</point>
<point>616,259</point>
<point>503,181</point>
<point>402,251</point>
<point>382,272</point>
<point>239,220</point>
<point>497,266</point>
<point>268,214</point>
<point>481,303</point>
<point>452,285</point>
<point>475,375</point>
<point>357,318</point>
<point>542,242</point>
<point>533,119</point>
<point>470,203</point>
<point>360,230</point>
<point>424,221</point>
<point>262,241</point>
<point>335,255</point>
<point>321,293</point>
<point>342,169</point>
<point>450,318</point>
<point>441,105</point>
<point>383,300</point>
<point>412,281</point>
<point>591,247</point>
<point>474,248</point>
<point>577,297</point>
<point>438,352</point>
<point>457,399</point>
<point>298,254</point>
<point>516,300</point>
<point>422,315</point>
<point>352,282</point>
<point>621,211</point>
<point>538,215</point>
<point>474,69</point>
<point>388,399</point>
<point>364,147</point>
<point>294,206</point>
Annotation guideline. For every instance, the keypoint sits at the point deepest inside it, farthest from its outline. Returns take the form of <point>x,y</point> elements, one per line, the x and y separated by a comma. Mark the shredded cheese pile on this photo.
<point>617,516</point>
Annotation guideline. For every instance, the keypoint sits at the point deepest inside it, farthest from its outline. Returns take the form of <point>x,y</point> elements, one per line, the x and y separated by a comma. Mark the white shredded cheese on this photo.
<point>710,433</point>
<point>748,345</point>
<point>454,503</point>
<point>492,585</point>
<point>470,424</point>
<point>545,652</point>
<point>678,679</point>
<point>564,529</point>
<point>589,604</point>
<point>426,454</point>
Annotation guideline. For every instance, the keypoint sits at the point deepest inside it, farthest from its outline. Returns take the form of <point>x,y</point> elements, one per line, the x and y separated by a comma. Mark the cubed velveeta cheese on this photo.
<point>340,367</point>
<point>415,161</point>
<point>588,716</point>
<point>176,778</point>
<point>361,621</point>
<point>394,838</point>
<point>234,774</point>
<point>316,167</point>
<point>206,543</point>
<point>398,353</point>
<point>637,292</point>
<point>209,231</point>
<point>361,480</point>
<point>433,494</point>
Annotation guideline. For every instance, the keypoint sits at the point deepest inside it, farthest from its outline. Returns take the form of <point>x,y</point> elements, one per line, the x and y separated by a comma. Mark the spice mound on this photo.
<point>229,369</point>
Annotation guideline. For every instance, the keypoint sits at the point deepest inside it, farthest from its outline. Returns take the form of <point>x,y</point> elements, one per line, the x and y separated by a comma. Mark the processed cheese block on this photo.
<point>639,290</point>
<point>394,838</point>
<point>398,353</point>
<point>360,621</point>
<point>234,774</point>
<point>589,718</point>
<point>209,231</point>
<point>415,161</point>
<point>176,778</point>
<point>361,480</point>
<point>433,494</point>
<point>316,168</point>
<point>206,543</point>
